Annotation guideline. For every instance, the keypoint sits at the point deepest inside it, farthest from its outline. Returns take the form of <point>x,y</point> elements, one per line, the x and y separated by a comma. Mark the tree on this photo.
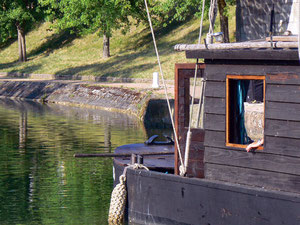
<point>223,10</point>
<point>16,18</point>
<point>169,11</point>
<point>88,16</point>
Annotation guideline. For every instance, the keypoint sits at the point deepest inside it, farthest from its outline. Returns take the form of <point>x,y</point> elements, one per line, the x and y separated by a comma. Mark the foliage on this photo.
<point>18,13</point>
<point>169,11</point>
<point>228,4</point>
<point>88,16</point>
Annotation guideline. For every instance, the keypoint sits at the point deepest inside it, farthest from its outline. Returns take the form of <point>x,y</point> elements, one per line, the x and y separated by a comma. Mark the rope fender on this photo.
<point>118,197</point>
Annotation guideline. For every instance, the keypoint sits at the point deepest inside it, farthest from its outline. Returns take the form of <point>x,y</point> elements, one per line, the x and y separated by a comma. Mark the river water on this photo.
<point>40,180</point>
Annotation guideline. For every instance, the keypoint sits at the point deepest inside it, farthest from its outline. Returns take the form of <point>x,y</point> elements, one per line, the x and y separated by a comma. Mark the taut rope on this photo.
<point>165,87</point>
<point>189,133</point>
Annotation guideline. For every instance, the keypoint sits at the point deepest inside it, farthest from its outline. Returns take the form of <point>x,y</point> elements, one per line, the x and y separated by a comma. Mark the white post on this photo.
<point>155,83</point>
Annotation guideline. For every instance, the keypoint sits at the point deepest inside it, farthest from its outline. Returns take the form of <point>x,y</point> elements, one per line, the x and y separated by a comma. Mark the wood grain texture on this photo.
<point>282,128</point>
<point>290,55</point>
<point>266,179</point>
<point>289,76</point>
<point>177,200</point>
<point>258,160</point>
<point>214,139</point>
<point>215,89</point>
<point>282,111</point>
<point>183,74</point>
<point>214,122</point>
<point>275,74</point>
<point>214,105</point>
<point>282,146</point>
<point>283,93</point>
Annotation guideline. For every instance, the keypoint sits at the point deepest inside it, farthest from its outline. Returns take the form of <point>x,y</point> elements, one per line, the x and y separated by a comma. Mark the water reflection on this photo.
<point>40,180</point>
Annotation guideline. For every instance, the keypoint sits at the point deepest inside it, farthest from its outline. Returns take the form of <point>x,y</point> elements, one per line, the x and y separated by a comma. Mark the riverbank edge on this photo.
<point>79,94</point>
<point>76,77</point>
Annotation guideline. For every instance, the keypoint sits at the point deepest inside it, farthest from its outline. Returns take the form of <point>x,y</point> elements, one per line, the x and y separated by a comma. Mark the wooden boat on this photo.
<point>224,184</point>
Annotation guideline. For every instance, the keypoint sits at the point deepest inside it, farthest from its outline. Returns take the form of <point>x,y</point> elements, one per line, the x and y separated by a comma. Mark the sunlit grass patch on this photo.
<point>132,55</point>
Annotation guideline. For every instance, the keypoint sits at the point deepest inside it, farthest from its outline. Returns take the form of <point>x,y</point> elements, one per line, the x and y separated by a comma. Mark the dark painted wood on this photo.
<point>289,76</point>
<point>291,54</point>
<point>103,155</point>
<point>214,139</point>
<point>280,156</point>
<point>283,93</point>
<point>183,74</point>
<point>215,89</point>
<point>253,177</point>
<point>259,160</point>
<point>215,122</point>
<point>282,128</point>
<point>218,72</point>
<point>178,200</point>
<point>214,105</point>
<point>153,162</point>
<point>283,146</point>
<point>282,111</point>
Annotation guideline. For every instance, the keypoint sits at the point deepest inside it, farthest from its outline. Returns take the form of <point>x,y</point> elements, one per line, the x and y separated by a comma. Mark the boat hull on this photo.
<point>160,198</point>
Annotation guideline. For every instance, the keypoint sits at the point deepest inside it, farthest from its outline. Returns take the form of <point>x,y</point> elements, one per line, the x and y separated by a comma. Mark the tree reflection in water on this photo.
<point>40,180</point>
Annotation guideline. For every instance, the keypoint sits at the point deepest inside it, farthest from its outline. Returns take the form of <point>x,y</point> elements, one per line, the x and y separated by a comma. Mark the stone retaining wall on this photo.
<point>108,98</point>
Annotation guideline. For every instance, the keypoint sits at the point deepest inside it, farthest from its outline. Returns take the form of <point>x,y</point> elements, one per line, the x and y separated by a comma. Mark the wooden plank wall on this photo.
<point>183,74</point>
<point>277,166</point>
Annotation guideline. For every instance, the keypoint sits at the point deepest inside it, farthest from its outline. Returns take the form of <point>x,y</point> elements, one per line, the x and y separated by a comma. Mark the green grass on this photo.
<point>132,54</point>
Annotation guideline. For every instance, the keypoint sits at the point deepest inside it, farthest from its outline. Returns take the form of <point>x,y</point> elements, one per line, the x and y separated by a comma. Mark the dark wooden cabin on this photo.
<point>215,155</point>
<point>230,185</point>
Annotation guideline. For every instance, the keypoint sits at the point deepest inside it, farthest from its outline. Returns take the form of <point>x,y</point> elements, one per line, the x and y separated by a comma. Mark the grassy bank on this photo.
<point>132,54</point>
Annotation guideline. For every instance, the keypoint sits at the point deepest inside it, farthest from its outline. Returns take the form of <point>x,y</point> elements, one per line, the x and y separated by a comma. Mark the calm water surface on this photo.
<point>40,180</point>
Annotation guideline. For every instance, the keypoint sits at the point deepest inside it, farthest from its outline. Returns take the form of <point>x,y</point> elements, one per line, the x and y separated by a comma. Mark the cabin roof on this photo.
<point>250,50</point>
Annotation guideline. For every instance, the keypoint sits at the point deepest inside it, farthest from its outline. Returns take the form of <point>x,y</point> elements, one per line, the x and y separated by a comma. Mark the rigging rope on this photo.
<point>189,133</point>
<point>165,87</point>
<point>202,82</point>
<point>211,16</point>
<point>201,23</point>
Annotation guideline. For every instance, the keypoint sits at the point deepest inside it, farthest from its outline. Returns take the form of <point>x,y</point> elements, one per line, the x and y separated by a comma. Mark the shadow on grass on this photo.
<point>8,65</point>
<point>114,67</point>
<point>55,41</point>
<point>22,72</point>
<point>144,40</point>
<point>111,67</point>
<point>6,44</point>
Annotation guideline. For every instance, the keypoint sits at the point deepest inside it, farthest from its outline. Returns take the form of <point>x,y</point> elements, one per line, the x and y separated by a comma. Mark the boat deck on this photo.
<point>153,162</point>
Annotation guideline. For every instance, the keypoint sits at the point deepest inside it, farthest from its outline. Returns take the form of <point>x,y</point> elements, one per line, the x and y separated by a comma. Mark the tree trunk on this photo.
<point>22,130</point>
<point>223,20</point>
<point>22,44</point>
<point>106,52</point>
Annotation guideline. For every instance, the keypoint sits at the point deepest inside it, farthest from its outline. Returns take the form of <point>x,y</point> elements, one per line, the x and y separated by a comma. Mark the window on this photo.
<point>245,106</point>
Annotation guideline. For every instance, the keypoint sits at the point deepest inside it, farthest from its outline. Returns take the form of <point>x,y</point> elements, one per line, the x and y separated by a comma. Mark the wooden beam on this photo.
<point>291,38</point>
<point>237,45</point>
<point>121,154</point>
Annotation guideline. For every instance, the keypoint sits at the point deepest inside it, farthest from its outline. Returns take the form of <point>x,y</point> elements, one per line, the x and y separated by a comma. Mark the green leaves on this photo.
<point>88,16</point>
<point>18,12</point>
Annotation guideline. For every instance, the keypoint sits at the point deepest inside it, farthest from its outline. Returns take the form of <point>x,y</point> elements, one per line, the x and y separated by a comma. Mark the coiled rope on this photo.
<point>118,197</point>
